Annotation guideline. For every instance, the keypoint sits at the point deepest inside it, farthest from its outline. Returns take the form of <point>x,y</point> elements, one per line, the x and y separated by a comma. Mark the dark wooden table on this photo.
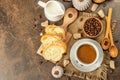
<point>19,40</point>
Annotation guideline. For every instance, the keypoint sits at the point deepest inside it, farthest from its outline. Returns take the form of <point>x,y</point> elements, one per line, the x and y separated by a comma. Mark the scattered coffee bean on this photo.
<point>41,62</point>
<point>81,19</point>
<point>116,41</point>
<point>104,5</point>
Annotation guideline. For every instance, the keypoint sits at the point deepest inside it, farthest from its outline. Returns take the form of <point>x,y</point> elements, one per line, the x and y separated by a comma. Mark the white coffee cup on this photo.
<point>97,54</point>
<point>54,10</point>
<point>77,61</point>
<point>97,48</point>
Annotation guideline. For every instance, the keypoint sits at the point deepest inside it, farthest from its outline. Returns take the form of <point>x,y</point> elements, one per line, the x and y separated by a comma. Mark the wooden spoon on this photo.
<point>113,51</point>
<point>106,41</point>
<point>70,16</point>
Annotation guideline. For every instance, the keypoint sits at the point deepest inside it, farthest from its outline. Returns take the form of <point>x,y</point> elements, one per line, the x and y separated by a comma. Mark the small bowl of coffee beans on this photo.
<point>93,27</point>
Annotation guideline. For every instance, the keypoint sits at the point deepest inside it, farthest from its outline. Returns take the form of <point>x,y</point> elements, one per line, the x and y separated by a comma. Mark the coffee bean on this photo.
<point>92,26</point>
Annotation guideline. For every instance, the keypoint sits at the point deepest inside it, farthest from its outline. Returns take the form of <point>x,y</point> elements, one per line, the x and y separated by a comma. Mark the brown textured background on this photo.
<point>19,41</point>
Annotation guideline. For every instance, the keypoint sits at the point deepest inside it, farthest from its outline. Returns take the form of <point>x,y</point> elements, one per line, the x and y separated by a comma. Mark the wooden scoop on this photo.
<point>113,51</point>
<point>70,16</point>
<point>106,41</point>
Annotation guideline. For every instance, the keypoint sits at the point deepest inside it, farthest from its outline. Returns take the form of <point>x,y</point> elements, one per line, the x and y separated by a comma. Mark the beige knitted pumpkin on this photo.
<point>81,5</point>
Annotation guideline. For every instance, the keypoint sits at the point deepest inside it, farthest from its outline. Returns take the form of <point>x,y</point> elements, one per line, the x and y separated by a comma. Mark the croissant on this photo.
<point>54,51</point>
<point>53,29</point>
<point>53,45</point>
<point>48,39</point>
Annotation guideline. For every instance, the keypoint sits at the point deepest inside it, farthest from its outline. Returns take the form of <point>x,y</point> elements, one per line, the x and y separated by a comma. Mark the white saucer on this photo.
<point>86,68</point>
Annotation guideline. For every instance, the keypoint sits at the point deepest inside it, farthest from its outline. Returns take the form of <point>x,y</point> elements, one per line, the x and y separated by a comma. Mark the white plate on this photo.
<point>86,68</point>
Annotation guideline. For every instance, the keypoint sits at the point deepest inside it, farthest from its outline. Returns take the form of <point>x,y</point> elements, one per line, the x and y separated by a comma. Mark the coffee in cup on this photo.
<point>86,54</point>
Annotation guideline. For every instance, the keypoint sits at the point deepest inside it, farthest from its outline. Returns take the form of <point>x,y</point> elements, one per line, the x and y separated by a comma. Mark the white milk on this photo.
<point>53,9</point>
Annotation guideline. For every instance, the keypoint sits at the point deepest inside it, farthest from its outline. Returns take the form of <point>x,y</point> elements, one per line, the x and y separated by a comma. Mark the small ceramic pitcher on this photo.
<point>54,10</point>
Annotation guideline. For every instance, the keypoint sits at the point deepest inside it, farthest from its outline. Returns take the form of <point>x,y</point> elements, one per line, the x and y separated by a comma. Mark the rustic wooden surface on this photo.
<point>19,41</point>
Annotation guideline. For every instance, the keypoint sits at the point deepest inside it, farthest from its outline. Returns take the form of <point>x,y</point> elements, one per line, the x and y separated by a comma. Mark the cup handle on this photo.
<point>42,4</point>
